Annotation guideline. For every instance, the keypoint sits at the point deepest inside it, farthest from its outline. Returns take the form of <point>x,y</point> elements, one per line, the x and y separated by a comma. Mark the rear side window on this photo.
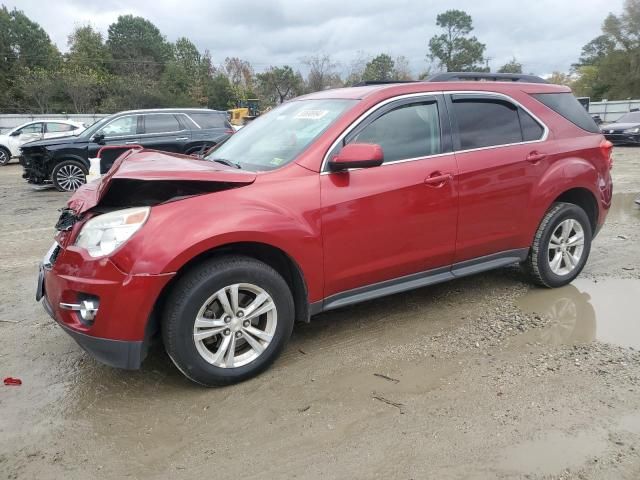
<point>161,123</point>
<point>409,131</point>
<point>531,130</point>
<point>59,127</point>
<point>486,123</point>
<point>567,105</point>
<point>209,120</point>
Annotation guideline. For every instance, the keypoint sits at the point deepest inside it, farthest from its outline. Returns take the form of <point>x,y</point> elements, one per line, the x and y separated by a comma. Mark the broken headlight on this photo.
<point>103,234</point>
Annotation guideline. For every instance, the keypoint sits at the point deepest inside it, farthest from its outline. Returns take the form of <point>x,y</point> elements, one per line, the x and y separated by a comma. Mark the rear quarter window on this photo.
<point>209,120</point>
<point>567,105</point>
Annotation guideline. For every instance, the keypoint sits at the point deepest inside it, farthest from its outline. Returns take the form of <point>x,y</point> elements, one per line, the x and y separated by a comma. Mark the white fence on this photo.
<point>611,111</point>
<point>9,121</point>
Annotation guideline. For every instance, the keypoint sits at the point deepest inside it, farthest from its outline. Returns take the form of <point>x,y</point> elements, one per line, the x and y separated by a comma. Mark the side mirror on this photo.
<point>15,133</point>
<point>357,155</point>
<point>99,138</point>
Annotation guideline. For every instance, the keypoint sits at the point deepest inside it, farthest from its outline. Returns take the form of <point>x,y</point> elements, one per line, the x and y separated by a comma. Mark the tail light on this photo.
<point>606,147</point>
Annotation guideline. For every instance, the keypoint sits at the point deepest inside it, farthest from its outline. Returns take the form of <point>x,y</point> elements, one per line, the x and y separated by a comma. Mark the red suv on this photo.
<point>330,199</point>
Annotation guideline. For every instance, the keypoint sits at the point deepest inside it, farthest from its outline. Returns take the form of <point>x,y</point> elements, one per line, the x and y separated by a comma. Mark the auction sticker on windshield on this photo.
<point>311,114</point>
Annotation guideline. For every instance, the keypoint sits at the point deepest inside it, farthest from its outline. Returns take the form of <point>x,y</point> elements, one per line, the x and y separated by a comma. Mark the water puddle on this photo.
<point>624,209</point>
<point>584,311</point>
<point>553,453</point>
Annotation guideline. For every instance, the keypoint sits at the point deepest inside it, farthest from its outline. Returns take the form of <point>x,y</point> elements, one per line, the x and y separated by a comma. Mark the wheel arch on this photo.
<point>583,198</point>
<point>273,256</point>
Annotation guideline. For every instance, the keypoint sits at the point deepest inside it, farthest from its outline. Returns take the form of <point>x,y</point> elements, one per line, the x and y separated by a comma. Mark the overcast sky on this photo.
<point>544,35</point>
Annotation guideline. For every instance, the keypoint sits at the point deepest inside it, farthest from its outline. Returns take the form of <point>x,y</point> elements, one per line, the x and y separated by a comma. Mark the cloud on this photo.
<point>545,36</point>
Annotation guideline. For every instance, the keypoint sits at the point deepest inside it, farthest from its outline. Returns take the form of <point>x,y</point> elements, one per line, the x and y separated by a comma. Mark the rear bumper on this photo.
<point>115,353</point>
<point>121,330</point>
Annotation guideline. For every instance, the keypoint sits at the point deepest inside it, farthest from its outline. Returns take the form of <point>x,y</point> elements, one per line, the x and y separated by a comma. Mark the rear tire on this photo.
<point>227,320</point>
<point>5,156</point>
<point>69,175</point>
<point>561,246</point>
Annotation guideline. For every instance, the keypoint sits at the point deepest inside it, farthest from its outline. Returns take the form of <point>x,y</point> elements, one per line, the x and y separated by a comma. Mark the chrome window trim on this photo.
<point>192,120</point>
<point>545,134</point>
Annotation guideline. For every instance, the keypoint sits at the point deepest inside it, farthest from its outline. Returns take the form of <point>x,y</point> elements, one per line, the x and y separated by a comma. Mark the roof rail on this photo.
<point>481,76</point>
<point>382,82</point>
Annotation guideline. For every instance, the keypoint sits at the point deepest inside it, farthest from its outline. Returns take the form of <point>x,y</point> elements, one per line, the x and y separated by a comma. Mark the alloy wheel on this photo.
<point>70,177</point>
<point>235,325</point>
<point>566,245</point>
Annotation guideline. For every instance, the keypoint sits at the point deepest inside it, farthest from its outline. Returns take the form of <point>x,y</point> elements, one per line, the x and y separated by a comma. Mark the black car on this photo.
<point>65,161</point>
<point>624,131</point>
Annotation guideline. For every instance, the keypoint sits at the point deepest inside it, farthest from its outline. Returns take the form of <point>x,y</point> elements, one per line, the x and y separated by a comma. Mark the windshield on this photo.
<point>95,127</point>
<point>276,138</point>
<point>631,117</point>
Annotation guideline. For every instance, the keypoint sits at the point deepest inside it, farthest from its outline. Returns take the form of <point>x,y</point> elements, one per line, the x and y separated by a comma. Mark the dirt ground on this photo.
<point>484,377</point>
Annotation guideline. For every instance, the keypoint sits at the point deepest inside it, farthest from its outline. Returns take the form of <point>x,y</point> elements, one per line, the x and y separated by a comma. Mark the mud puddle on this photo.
<point>584,311</point>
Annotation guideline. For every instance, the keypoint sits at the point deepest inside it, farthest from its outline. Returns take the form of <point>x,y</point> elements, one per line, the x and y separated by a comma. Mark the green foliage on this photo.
<point>380,68</point>
<point>454,49</point>
<point>613,58</point>
<point>513,66</point>
<point>278,84</point>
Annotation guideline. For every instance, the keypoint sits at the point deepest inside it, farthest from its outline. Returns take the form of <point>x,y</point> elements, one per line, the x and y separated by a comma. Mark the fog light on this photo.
<point>87,309</point>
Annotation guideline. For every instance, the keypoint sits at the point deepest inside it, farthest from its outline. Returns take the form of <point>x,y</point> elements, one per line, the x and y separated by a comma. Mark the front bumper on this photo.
<point>120,333</point>
<point>115,353</point>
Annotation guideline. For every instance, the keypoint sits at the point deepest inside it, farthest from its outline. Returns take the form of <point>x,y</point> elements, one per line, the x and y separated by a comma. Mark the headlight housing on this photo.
<point>632,130</point>
<point>103,234</point>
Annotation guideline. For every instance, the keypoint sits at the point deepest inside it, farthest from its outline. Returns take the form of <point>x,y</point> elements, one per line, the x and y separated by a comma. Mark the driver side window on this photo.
<point>33,128</point>
<point>120,127</point>
<point>406,132</point>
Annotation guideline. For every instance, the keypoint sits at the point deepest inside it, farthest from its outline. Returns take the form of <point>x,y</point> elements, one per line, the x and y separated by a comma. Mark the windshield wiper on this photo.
<point>228,163</point>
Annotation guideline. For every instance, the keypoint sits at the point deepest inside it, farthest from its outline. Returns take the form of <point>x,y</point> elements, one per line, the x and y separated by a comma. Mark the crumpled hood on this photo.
<point>150,177</point>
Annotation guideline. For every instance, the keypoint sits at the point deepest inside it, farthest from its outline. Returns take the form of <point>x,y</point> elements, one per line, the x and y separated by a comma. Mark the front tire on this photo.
<point>561,246</point>
<point>227,320</point>
<point>5,156</point>
<point>69,175</point>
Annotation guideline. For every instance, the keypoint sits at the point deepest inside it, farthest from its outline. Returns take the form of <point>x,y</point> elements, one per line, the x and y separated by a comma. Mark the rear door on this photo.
<point>163,131</point>
<point>211,127</point>
<point>499,150</point>
<point>389,221</point>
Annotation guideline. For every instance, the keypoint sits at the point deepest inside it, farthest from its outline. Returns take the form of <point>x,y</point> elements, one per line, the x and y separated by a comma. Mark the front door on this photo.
<point>400,218</point>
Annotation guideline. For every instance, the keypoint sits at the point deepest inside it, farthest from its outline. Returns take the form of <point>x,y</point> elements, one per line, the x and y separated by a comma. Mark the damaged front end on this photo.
<point>147,178</point>
<point>34,162</point>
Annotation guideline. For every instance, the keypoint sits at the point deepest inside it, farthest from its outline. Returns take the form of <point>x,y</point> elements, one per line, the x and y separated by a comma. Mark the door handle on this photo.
<point>437,179</point>
<point>182,138</point>
<point>130,143</point>
<point>535,156</point>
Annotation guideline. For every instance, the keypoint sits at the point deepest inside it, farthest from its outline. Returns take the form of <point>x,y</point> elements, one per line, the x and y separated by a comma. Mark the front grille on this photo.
<point>68,219</point>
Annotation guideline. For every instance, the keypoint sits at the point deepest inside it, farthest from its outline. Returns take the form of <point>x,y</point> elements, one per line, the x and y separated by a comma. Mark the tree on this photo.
<point>38,86</point>
<point>278,84</point>
<point>512,66</point>
<point>87,49</point>
<point>380,68</point>
<point>560,78</point>
<point>82,86</point>
<point>322,73</point>
<point>615,56</point>
<point>453,49</point>
<point>356,68</point>
<point>401,69</point>
<point>239,72</point>
<point>137,46</point>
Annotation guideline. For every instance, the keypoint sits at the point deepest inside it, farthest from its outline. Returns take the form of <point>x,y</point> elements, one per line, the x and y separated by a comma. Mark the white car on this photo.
<point>11,141</point>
